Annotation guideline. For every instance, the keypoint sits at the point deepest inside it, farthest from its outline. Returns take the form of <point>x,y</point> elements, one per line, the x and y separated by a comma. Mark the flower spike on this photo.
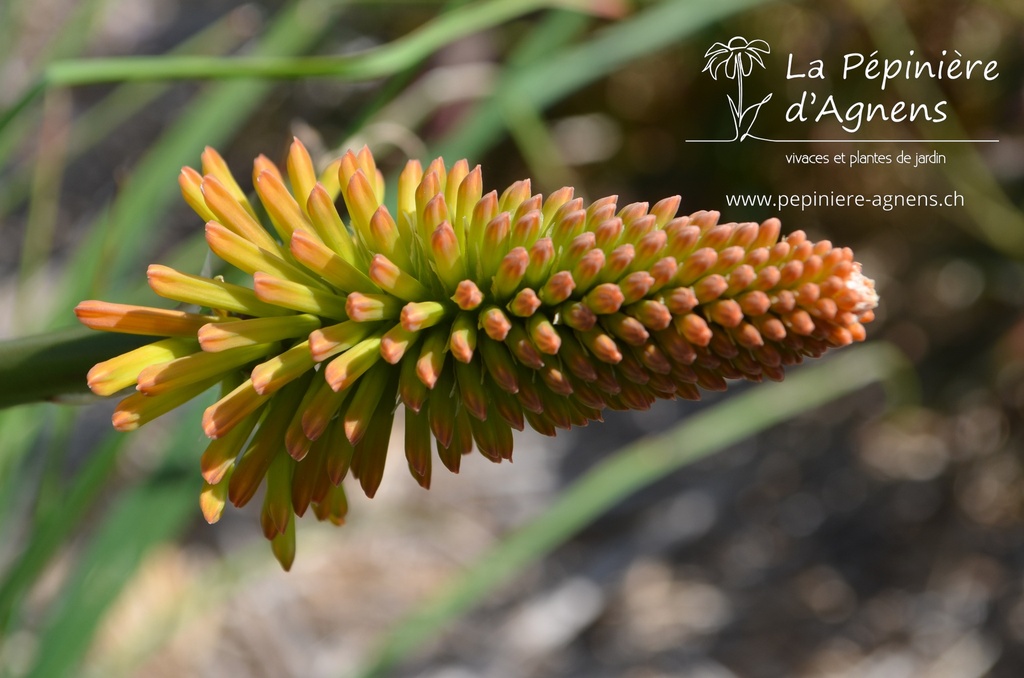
<point>552,310</point>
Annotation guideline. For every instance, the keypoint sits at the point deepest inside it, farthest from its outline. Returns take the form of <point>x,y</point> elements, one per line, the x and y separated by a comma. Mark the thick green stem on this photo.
<point>46,366</point>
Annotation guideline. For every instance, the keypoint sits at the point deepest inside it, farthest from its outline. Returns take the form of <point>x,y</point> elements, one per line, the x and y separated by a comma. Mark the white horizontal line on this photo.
<point>851,141</point>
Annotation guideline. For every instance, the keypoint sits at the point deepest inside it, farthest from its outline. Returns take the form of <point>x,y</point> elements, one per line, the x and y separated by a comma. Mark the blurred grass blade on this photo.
<point>68,41</point>
<point>548,38</point>
<point>47,178</point>
<point>20,430</point>
<point>544,82</point>
<point>523,120</point>
<point>997,220</point>
<point>385,60</point>
<point>50,532</point>
<point>632,469</point>
<point>110,113</point>
<point>133,521</point>
<point>10,135</point>
<point>143,518</point>
<point>219,111</point>
<point>211,119</point>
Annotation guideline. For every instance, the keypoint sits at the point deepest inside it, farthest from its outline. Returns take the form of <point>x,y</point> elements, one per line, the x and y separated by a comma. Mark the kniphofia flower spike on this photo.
<point>480,312</point>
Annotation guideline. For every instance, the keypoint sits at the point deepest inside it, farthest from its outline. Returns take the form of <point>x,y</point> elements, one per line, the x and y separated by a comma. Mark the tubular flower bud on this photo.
<point>552,310</point>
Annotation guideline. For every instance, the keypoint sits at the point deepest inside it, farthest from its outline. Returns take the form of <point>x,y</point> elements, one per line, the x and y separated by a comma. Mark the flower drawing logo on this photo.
<point>736,60</point>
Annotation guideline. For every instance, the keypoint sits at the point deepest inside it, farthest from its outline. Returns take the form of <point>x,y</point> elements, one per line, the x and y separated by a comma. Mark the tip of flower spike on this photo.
<point>864,290</point>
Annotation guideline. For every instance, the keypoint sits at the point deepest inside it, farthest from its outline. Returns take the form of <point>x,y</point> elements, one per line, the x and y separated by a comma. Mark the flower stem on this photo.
<point>47,366</point>
<point>383,61</point>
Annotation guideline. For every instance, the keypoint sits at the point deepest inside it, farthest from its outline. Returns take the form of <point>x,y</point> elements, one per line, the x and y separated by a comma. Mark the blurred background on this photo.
<point>861,539</point>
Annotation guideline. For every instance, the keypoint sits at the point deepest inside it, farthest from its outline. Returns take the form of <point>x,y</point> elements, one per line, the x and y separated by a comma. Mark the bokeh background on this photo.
<point>869,537</point>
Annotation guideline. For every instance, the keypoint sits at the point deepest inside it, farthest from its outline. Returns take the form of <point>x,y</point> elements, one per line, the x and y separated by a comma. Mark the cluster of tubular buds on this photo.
<point>479,312</point>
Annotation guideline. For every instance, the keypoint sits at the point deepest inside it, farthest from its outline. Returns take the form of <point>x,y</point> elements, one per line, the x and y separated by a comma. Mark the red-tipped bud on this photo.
<point>467,295</point>
<point>495,323</point>
<point>525,303</point>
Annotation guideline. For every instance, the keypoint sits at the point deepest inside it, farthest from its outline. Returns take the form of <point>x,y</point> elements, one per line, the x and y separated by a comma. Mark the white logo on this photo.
<point>736,60</point>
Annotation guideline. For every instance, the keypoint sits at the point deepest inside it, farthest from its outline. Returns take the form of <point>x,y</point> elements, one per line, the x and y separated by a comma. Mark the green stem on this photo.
<point>46,366</point>
<point>632,469</point>
<point>374,63</point>
<point>30,95</point>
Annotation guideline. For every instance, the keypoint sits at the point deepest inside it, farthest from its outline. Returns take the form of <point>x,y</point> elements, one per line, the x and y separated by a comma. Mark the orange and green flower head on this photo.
<point>479,312</point>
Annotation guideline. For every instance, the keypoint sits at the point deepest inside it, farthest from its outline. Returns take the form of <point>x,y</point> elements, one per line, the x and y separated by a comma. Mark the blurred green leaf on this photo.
<point>151,512</point>
<point>219,111</point>
<point>376,63</point>
<point>524,121</point>
<point>20,429</point>
<point>114,110</point>
<point>51,531</point>
<point>211,119</point>
<point>551,79</point>
<point>67,41</point>
<point>997,221</point>
<point>142,518</point>
<point>49,365</point>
